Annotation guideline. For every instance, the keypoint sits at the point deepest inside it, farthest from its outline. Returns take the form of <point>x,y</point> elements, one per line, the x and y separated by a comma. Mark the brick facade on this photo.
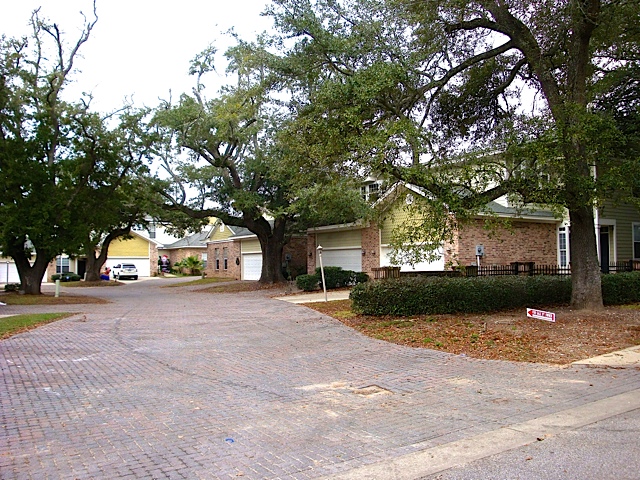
<point>370,248</point>
<point>311,253</point>
<point>523,242</point>
<point>216,251</point>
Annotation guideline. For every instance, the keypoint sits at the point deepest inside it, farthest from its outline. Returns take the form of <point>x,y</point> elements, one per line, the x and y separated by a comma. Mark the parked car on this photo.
<point>125,270</point>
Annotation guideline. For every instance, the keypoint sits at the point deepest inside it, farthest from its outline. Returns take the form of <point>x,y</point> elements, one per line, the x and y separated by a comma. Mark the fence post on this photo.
<point>515,267</point>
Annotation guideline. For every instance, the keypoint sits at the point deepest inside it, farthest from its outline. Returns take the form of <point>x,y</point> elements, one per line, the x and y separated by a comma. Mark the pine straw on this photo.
<point>575,335</point>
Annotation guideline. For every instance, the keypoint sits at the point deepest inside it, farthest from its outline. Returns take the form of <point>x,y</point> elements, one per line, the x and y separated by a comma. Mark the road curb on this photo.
<point>443,457</point>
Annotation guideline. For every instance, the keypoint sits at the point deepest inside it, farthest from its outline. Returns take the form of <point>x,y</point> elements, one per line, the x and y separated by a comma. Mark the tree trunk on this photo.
<point>94,267</point>
<point>272,260</point>
<point>272,241</point>
<point>585,270</point>
<point>31,275</point>
<point>95,263</point>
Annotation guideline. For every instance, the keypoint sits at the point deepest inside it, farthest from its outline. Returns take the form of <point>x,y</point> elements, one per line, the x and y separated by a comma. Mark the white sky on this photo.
<point>141,49</point>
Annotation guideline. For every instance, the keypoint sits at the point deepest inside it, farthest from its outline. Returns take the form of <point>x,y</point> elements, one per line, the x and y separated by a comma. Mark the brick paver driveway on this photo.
<point>173,383</point>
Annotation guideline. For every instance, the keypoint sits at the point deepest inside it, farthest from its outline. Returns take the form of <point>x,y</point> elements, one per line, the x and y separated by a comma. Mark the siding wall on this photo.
<point>624,215</point>
<point>344,239</point>
<point>133,247</point>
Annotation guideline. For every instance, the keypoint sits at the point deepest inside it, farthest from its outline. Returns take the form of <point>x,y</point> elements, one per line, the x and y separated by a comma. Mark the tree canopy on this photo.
<point>472,101</point>
<point>65,172</point>
<point>230,157</point>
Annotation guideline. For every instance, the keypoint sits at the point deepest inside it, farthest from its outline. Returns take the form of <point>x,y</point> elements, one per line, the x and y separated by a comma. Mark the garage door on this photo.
<point>142,264</point>
<point>8,273</point>
<point>435,266</point>
<point>347,258</point>
<point>251,266</point>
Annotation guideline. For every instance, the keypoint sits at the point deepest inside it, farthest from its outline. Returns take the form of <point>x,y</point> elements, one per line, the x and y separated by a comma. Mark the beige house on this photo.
<point>235,252</point>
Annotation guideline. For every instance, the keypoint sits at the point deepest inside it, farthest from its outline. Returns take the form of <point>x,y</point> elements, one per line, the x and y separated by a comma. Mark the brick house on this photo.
<point>235,253</point>
<point>362,246</point>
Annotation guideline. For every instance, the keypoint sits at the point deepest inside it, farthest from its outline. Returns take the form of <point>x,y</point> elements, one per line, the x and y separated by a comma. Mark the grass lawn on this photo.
<point>13,298</point>
<point>21,323</point>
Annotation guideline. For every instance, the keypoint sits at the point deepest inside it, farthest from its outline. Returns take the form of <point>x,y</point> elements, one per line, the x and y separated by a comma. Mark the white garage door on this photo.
<point>347,258</point>
<point>8,273</point>
<point>435,266</point>
<point>251,266</point>
<point>142,264</point>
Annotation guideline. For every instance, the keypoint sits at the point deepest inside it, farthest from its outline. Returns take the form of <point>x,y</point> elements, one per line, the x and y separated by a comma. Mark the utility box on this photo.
<point>479,250</point>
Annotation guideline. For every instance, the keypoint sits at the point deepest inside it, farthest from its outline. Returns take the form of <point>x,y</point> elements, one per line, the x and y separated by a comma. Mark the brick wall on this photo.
<point>297,248</point>
<point>524,242</point>
<point>233,252</point>
<point>371,248</point>
<point>153,259</point>
<point>311,253</point>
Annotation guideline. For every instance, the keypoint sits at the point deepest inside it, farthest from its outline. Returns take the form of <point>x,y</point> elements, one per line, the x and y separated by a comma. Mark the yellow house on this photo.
<point>138,250</point>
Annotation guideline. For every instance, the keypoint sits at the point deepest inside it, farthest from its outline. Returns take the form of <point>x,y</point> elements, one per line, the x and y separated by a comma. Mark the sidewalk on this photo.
<point>311,297</point>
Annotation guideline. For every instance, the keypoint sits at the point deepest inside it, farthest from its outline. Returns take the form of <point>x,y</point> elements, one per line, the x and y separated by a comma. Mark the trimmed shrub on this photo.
<point>336,277</point>
<point>435,295</point>
<point>621,288</point>
<point>66,277</point>
<point>12,287</point>
<point>308,283</point>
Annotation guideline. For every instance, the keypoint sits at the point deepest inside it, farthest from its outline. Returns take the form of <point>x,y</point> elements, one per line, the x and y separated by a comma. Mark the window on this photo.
<point>225,255</point>
<point>636,241</point>
<point>216,253</point>
<point>204,260</point>
<point>563,250</point>
<point>62,264</point>
<point>152,230</point>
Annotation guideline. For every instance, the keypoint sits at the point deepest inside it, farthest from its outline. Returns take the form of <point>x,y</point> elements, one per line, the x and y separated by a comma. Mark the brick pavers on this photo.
<point>173,383</point>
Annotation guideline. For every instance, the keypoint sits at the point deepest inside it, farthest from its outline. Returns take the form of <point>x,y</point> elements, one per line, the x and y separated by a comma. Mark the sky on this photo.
<point>140,50</point>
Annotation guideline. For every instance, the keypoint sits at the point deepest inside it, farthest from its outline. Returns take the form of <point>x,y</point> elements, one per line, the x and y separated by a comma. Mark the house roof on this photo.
<point>197,240</point>
<point>504,211</point>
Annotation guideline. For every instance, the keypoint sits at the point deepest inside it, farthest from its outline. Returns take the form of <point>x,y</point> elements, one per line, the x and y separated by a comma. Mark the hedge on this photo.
<point>66,277</point>
<point>335,277</point>
<point>441,295</point>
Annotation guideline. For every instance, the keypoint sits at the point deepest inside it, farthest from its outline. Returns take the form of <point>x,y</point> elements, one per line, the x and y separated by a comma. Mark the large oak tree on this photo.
<point>473,100</point>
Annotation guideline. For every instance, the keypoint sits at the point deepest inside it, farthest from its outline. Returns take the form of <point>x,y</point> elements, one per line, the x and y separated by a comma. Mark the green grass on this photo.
<point>19,323</point>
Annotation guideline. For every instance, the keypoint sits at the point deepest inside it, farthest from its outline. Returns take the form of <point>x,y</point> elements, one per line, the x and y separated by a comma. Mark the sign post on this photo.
<point>541,314</point>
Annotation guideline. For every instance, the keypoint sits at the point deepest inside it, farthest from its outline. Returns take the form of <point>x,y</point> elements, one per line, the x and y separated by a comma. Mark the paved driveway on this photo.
<point>174,383</point>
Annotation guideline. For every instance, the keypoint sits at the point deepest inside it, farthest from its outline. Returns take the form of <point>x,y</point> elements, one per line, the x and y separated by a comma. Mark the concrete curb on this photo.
<point>443,457</point>
<point>628,356</point>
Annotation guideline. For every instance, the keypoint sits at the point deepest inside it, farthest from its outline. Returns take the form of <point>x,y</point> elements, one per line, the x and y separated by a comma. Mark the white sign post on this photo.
<point>541,314</point>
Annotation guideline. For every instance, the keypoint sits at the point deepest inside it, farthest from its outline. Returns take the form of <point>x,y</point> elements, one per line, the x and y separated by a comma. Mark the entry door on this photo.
<point>604,249</point>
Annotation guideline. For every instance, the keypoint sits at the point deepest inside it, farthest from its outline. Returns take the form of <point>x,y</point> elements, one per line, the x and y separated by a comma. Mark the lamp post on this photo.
<point>324,285</point>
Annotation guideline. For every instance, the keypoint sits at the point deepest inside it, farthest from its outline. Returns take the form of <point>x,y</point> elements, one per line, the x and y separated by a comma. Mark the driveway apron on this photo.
<point>176,383</point>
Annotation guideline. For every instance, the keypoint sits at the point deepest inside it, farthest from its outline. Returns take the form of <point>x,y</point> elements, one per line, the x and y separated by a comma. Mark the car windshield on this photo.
<point>128,265</point>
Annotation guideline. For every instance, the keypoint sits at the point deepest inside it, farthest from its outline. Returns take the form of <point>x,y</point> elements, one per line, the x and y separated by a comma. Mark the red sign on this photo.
<point>541,314</point>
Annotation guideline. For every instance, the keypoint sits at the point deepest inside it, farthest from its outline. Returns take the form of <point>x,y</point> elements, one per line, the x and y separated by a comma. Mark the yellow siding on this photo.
<point>134,247</point>
<point>250,246</point>
<point>397,214</point>
<point>220,235</point>
<point>349,238</point>
<point>624,215</point>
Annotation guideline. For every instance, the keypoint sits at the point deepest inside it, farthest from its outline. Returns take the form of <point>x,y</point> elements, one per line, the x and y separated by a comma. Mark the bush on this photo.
<point>66,277</point>
<point>12,287</point>
<point>437,295</point>
<point>336,277</point>
<point>308,283</point>
<point>621,288</point>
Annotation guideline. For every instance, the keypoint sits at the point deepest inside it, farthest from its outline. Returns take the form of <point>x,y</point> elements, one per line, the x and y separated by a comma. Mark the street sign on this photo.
<point>541,314</point>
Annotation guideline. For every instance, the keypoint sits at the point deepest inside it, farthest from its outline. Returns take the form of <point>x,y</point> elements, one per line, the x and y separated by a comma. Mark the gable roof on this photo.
<point>196,240</point>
